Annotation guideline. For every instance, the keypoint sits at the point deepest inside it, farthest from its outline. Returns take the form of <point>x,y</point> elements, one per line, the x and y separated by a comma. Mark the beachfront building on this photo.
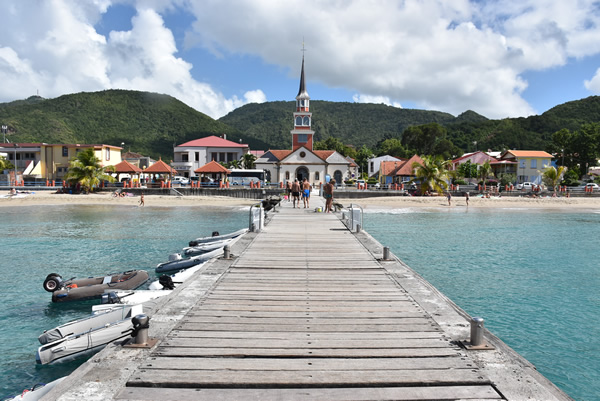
<point>42,161</point>
<point>374,164</point>
<point>526,165</point>
<point>302,161</point>
<point>398,172</point>
<point>192,155</point>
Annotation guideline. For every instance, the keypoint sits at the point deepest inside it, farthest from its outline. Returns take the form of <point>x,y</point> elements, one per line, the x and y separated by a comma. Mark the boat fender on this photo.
<point>166,282</point>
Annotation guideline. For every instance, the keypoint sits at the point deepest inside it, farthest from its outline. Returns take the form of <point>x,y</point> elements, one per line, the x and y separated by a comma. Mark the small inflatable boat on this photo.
<point>217,237</point>
<point>177,262</point>
<point>92,287</point>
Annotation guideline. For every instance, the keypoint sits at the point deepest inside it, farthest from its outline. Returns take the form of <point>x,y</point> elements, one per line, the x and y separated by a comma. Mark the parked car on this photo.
<point>181,180</point>
<point>526,185</point>
<point>591,185</point>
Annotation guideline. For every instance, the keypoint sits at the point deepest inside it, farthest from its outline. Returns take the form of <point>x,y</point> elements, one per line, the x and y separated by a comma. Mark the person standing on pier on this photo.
<point>328,195</point>
<point>288,190</point>
<point>305,193</point>
<point>296,193</point>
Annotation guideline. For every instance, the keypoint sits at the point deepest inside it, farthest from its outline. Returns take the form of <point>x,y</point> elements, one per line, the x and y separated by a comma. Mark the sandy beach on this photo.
<point>105,198</point>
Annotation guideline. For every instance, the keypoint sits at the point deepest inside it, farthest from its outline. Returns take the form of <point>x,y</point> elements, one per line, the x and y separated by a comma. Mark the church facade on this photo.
<point>302,161</point>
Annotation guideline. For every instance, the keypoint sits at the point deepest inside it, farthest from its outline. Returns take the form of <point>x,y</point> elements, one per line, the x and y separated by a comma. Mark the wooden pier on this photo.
<point>308,310</point>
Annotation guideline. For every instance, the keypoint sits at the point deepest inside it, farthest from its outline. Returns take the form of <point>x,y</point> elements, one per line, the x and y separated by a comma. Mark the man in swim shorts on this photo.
<point>305,193</point>
<point>296,193</point>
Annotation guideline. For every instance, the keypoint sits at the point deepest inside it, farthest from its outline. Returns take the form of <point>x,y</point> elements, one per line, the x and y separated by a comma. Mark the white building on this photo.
<point>375,163</point>
<point>317,166</point>
<point>194,154</point>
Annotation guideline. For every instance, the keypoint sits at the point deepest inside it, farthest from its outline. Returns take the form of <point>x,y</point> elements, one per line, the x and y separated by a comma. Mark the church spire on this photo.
<point>302,94</point>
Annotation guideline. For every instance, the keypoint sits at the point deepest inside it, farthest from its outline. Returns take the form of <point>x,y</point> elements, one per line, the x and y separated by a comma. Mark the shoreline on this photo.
<point>436,202</point>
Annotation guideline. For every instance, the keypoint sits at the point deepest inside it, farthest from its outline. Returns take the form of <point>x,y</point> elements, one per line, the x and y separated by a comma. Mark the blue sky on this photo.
<point>503,58</point>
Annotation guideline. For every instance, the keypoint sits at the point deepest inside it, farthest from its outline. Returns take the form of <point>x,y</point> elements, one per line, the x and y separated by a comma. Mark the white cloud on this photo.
<point>593,84</point>
<point>362,98</point>
<point>54,49</point>
<point>451,56</point>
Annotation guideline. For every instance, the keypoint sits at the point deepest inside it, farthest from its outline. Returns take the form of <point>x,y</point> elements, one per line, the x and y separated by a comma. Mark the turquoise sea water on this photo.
<point>534,276</point>
<point>80,241</point>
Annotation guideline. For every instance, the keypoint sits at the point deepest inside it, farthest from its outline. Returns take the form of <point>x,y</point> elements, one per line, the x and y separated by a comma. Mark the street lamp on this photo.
<point>4,131</point>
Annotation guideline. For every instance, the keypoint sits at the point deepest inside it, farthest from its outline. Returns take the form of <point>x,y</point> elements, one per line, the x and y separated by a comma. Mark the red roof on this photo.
<point>323,154</point>
<point>126,167</point>
<point>527,153</point>
<point>160,167</point>
<point>280,154</point>
<point>214,142</point>
<point>403,168</point>
<point>212,167</point>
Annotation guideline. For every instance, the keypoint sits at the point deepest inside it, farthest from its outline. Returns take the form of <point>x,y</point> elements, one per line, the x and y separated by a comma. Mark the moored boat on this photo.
<point>205,247</point>
<point>93,287</point>
<point>171,281</point>
<point>88,335</point>
<point>217,237</point>
<point>177,262</point>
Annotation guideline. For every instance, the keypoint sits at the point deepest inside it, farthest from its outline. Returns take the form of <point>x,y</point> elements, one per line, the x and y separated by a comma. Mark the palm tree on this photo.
<point>5,164</point>
<point>552,176</point>
<point>433,174</point>
<point>86,170</point>
<point>248,160</point>
<point>485,170</point>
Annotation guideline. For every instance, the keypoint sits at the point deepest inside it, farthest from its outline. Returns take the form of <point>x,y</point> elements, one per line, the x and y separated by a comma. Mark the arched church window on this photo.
<point>306,121</point>
<point>298,120</point>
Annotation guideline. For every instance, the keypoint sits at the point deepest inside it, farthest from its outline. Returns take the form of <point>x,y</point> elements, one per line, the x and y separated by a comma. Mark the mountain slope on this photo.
<point>147,123</point>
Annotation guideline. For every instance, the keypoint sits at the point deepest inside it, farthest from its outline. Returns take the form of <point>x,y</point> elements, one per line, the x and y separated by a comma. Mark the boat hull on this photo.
<point>93,288</point>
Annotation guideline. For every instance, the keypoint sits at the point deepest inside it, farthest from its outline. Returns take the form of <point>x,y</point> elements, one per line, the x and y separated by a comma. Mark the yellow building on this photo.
<point>527,165</point>
<point>51,161</point>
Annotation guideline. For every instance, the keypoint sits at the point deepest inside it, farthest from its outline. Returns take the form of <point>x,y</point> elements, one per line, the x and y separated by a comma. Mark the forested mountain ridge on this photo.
<point>152,124</point>
<point>148,123</point>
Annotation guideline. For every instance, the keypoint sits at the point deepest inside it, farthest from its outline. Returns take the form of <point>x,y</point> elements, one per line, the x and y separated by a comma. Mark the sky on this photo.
<point>502,58</point>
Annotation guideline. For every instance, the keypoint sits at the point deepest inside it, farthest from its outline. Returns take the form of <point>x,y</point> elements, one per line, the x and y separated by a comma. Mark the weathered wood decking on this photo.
<point>307,312</point>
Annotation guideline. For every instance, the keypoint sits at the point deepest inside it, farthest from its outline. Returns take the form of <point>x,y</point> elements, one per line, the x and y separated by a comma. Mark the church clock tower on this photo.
<point>302,135</point>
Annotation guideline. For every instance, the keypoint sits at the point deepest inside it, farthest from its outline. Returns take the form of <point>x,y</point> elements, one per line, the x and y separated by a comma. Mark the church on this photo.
<point>317,166</point>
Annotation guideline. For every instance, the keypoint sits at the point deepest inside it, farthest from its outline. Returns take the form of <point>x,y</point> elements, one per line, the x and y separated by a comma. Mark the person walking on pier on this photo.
<point>305,193</point>
<point>296,193</point>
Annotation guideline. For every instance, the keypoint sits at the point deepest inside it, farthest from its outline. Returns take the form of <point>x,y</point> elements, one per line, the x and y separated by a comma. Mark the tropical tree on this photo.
<point>248,160</point>
<point>86,170</point>
<point>5,164</point>
<point>467,170</point>
<point>553,176</point>
<point>484,171</point>
<point>433,174</point>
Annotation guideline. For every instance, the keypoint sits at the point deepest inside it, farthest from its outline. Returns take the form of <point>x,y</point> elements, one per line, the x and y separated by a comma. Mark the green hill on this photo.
<point>151,123</point>
<point>147,123</point>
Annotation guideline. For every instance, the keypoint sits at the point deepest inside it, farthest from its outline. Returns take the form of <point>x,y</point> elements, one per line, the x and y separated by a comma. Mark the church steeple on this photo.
<point>302,135</point>
<point>302,93</point>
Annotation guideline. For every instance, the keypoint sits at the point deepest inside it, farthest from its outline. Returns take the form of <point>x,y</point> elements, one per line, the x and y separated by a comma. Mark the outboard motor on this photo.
<point>53,282</point>
<point>166,282</point>
<point>193,243</point>
<point>110,298</point>
<point>174,256</point>
<point>215,234</point>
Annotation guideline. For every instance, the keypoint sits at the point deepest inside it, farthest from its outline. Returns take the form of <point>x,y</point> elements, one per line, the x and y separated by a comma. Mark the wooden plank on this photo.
<point>206,378</point>
<point>305,352</point>
<point>290,335</point>
<point>292,314</point>
<point>441,393</point>
<point>308,327</point>
<point>304,319</point>
<point>302,364</point>
<point>311,343</point>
